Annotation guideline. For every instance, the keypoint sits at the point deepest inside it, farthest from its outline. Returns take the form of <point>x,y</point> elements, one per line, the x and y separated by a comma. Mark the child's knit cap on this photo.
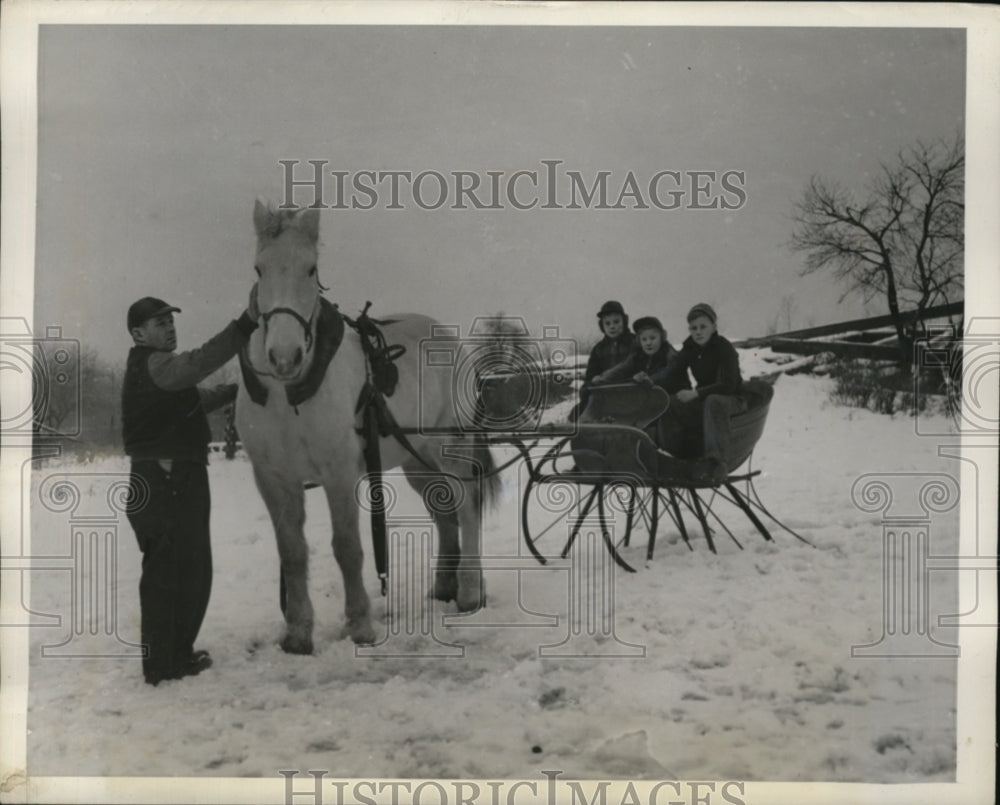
<point>701,309</point>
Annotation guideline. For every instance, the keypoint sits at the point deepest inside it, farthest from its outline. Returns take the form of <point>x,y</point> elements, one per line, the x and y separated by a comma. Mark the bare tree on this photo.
<point>902,242</point>
<point>78,400</point>
<point>787,310</point>
<point>56,389</point>
<point>782,320</point>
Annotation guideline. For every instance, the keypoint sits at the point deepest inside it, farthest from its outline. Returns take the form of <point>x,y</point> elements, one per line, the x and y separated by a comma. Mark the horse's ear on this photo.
<point>308,221</point>
<point>263,219</point>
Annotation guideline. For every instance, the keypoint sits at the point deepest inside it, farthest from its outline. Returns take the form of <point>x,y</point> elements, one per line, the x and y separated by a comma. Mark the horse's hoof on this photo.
<point>472,594</point>
<point>362,632</point>
<point>292,645</point>
<point>445,587</point>
<point>471,603</point>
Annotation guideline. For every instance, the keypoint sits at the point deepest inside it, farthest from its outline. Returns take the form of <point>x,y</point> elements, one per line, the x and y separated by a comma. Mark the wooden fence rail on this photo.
<point>855,345</point>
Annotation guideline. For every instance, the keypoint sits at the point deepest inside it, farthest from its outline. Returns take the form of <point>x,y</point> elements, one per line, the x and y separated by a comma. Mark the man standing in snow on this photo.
<point>166,435</point>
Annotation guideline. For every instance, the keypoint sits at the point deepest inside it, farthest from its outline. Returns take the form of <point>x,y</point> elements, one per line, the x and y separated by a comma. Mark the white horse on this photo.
<point>316,441</point>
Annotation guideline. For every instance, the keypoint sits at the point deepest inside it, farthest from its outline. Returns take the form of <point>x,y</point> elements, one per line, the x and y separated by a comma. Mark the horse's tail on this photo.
<point>486,468</point>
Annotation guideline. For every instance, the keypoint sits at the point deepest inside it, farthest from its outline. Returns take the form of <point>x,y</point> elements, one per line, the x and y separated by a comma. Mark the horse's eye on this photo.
<point>257,269</point>
<point>312,271</point>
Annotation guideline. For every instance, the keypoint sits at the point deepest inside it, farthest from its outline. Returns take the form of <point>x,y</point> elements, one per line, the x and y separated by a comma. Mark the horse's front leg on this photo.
<point>286,504</point>
<point>350,557</point>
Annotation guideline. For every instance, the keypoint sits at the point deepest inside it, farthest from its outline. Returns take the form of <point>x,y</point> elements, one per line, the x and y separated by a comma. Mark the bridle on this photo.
<point>307,324</point>
<point>307,327</point>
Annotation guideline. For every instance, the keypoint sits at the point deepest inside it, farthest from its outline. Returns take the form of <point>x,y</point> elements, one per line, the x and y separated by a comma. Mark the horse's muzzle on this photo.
<point>285,350</point>
<point>287,363</point>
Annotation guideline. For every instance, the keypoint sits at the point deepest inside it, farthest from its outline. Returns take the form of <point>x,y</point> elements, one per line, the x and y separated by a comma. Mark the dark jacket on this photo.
<point>716,366</point>
<point>163,410</point>
<point>608,352</point>
<point>661,367</point>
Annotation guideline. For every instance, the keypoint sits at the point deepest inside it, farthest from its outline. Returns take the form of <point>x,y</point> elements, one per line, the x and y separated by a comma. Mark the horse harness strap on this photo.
<point>377,420</point>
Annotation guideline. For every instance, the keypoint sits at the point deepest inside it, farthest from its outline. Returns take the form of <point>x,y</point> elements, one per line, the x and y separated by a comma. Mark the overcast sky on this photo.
<point>154,142</point>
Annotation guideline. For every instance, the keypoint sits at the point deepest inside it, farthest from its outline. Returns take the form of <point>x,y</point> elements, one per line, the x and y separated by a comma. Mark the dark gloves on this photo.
<point>252,308</point>
<point>247,322</point>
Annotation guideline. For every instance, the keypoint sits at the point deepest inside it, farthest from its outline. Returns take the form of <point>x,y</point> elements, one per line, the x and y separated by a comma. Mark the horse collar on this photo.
<point>329,334</point>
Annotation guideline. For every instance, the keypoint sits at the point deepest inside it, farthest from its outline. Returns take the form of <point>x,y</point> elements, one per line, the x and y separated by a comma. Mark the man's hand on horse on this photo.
<point>686,395</point>
<point>642,379</point>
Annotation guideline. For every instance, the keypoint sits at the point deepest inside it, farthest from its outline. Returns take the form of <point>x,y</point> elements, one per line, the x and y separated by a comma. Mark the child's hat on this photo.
<point>147,308</point>
<point>701,309</point>
<point>610,307</point>
<point>648,323</point>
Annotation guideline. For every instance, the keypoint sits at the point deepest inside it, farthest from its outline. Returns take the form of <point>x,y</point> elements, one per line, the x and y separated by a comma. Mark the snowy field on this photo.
<point>736,665</point>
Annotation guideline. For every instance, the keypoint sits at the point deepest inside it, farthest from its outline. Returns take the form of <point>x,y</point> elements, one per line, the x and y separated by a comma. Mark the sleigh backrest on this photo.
<point>747,428</point>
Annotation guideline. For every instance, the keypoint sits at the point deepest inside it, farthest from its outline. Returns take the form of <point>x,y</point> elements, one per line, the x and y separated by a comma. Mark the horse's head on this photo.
<point>288,286</point>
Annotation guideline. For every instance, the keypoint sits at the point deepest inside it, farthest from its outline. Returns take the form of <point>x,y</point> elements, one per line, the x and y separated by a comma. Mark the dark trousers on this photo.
<point>700,427</point>
<point>169,513</point>
<point>715,423</point>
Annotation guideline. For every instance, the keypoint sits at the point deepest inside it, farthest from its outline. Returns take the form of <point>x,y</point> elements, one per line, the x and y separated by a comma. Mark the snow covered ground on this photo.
<point>735,666</point>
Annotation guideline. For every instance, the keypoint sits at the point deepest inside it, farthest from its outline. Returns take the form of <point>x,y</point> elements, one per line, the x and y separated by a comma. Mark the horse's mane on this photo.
<point>278,220</point>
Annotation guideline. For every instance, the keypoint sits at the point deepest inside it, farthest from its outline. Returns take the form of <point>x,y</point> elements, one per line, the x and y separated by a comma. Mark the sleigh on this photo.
<point>612,476</point>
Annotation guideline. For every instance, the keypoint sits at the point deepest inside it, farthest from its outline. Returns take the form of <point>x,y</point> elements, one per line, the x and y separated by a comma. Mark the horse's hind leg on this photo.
<point>449,554</point>
<point>286,504</point>
<point>350,557</point>
<point>471,587</point>
<point>439,499</point>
